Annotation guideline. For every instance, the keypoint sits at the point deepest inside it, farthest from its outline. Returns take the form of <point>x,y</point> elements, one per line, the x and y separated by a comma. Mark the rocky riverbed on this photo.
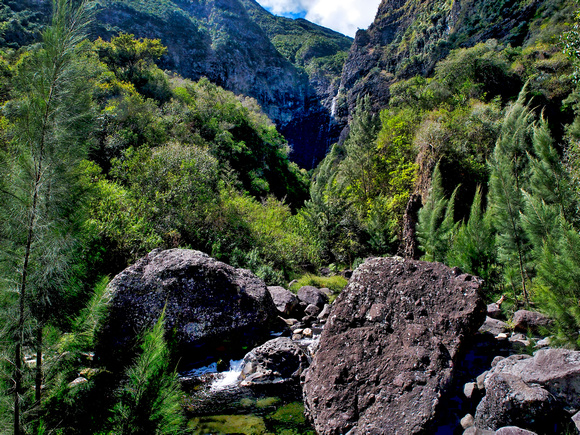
<point>408,347</point>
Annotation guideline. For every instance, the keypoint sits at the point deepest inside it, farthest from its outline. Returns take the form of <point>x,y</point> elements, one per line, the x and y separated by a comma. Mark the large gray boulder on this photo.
<point>531,392</point>
<point>388,351</point>
<point>212,310</point>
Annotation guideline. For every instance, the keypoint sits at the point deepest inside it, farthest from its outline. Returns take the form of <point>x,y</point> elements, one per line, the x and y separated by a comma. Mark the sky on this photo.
<point>344,16</point>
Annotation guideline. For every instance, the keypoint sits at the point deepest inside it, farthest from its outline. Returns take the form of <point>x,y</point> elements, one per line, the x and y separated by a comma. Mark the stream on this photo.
<point>216,404</point>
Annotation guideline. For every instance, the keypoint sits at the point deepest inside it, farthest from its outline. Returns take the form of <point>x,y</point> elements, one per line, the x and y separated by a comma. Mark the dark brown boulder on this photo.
<point>531,392</point>
<point>388,351</point>
<point>533,321</point>
<point>511,401</point>
<point>310,295</point>
<point>212,310</point>
<point>285,300</point>
<point>275,362</point>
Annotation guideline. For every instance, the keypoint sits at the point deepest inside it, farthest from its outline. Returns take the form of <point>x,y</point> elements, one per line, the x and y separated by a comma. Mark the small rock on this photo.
<point>496,360</point>
<point>525,320</point>
<point>502,336</point>
<point>285,300</point>
<point>481,381</point>
<point>520,339</point>
<point>468,390</point>
<point>494,311</point>
<point>312,310</point>
<point>493,326</point>
<point>467,421</point>
<point>290,322</point>
<point>296,337</point>
<point>298,331</point>
<point>323,316</point>
<point>576,420</point>
<point>544,342</point>
<point>513,430</point>
<point>326,291</point>
<point>311,295</point>
<point>307,333</point>
<point>476,431</point>
<point>277,360</point>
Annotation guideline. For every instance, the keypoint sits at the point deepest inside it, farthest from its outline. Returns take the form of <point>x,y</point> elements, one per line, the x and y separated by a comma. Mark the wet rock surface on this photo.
<point>211,309</point>
<point>386,356</point>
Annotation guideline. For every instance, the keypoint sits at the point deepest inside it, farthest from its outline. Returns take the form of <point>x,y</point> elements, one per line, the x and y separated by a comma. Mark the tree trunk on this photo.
<point>409,247</point>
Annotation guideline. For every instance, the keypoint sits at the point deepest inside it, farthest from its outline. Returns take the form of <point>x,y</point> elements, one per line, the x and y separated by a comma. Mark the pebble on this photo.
<point>468,390</point>
<point>481,380</point>
<point>467,421</point>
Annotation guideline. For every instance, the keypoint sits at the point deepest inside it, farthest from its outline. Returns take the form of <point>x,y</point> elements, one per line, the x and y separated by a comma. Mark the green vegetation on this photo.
<point>335,283</point>
<point>319,51</point>
<point>104,157</point>
<point>288,419</point>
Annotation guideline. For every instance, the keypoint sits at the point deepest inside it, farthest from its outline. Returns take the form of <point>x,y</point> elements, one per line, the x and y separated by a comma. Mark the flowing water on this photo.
<point>217,405</point>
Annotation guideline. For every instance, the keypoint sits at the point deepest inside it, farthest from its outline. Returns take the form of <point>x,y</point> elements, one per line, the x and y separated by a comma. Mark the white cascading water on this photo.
<point>229,378</point>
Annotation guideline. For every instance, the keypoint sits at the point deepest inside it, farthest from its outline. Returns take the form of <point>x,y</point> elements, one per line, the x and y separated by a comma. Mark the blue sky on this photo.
<point>344,16</point>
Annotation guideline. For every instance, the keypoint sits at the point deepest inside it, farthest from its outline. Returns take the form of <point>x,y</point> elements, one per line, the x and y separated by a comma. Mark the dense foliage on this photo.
<point>104,157</point>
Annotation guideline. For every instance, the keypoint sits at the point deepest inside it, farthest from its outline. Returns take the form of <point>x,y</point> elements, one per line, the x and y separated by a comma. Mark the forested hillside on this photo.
<point>237,45</point>
<point>462,147</point>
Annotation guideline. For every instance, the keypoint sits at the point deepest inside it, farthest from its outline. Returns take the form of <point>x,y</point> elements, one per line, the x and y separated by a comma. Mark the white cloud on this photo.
<point>345,16</point>
<point>285,7</point>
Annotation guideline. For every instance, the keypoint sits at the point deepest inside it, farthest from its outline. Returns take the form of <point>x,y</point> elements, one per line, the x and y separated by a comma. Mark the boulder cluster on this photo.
<point>535,394</point>
<point>212,310</point>
<point>284,360</point>
<point>402,344</point>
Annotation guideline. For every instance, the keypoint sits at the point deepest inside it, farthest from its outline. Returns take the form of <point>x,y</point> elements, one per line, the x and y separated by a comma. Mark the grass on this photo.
<point>335,283</point>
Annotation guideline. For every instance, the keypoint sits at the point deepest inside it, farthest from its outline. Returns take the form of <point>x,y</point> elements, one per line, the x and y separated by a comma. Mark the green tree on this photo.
<point>356,171</point>
<point>557,284</point>
<point>436,226</point>
<point>150,399</point>
<point>133,61</point>
<point>473,249</point>
<point>41,202</point>
<point>509,174</point>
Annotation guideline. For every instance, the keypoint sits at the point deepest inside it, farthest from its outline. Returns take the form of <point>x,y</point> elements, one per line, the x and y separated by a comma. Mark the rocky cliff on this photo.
<point>291,67</point>
<point>221,41</point>
<point>408,37</point>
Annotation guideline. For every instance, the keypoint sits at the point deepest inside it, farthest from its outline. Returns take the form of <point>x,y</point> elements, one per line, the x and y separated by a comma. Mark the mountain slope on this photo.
<point>237,45</point>
<point>408,37</point>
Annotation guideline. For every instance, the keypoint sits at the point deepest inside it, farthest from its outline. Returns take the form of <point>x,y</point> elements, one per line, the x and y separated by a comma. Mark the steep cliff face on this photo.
<point>291,67</point>
<point>408,37</point>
